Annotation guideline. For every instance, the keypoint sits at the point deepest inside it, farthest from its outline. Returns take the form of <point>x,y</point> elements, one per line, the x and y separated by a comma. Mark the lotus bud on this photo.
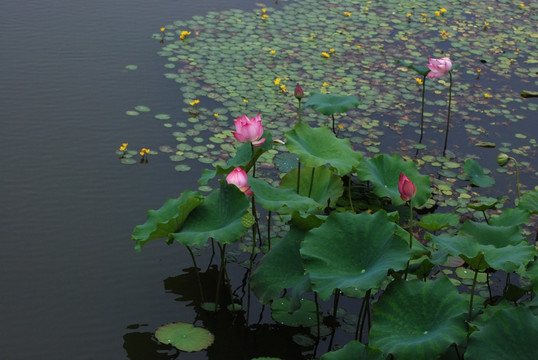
<point>299,94</point>
<point>502,159</point>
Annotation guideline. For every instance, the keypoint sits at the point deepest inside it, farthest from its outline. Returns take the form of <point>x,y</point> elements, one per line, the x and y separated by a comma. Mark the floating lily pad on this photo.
<point>185,337</point>
<point>131,67</point>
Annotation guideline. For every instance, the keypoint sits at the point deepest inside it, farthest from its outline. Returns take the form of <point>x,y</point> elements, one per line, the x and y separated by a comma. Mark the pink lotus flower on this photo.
<point>238,177</point>
<point>406,188</point>
<point>249,130</point>
<point>438,67</point>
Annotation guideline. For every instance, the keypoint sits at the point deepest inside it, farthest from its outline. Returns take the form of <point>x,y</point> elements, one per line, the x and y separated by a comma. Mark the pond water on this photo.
<point>71,284</point>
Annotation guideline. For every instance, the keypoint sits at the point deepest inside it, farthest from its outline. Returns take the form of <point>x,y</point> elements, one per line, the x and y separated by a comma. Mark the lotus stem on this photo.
<point>334,129</point>
<point>254,164</point>
<point>221,271</point>
<point>336,299</point>
<point>269,231</point>
<point>410,235</point>
<point>252,253</point>
<point>422,109</point>
<point>349,193</point>
<point>317,312</point>
<point>299,111</point>
<point>298,175</point>
<point>448,114</point>
<point>472,289</point>
<point>311,181</point>
<point>197,274</point>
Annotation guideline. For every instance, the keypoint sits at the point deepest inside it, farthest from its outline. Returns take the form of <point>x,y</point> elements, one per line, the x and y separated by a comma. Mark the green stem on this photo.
<point>254,164</point>
<point>336,299</point>
<point>221,271</point>
<point>269,231</point>
<point>448,115</point>
<point>472,290</point>
<point>298,175</point>
<point>410,235</point>
<point>252,252</point>
<point>334,130</point>
<point>349,193</point>
<point>311,181</point>
<point>317,311</point>
<point>299,112</point>
<point>422,109</point>
<point>197,274</point>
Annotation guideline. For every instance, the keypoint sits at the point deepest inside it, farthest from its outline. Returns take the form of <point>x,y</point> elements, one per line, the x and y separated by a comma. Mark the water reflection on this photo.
<point>234,338</point>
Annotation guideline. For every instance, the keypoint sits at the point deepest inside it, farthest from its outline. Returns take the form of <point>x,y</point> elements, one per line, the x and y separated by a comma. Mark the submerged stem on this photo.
<point>197,274</point>
<point>422,109</point>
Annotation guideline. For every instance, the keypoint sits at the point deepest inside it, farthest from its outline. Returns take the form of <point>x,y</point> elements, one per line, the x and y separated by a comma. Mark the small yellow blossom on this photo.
<point>264,11</point>
<point>478,70</point>
<point>522,5</point>
<point>340,127</point>
<point>184,34</point>
<point>331,50</point>
<point>437,13</point>
<point>325,54</point>
<point>408,15</point>
<point>264,16</point>
<point>366,9</point>
<point>277,81</point>
<point>419,81</point>
<point>486,95</point>
<point>443,10</point>
<point>273,52</point>
<point>194,102</point>
<point>325,84</point>
<point>123,146</point>
<point>347,13</point>
<point>512,60</point>
<point>260,85</point>
<point>162,29</point>
<point>216,114</point>
<point>486,23</point>
<point>283,88</point>
<point>245,101</point>
<point>358,47</point>
<point>144,151</point>
<point>424,14</point>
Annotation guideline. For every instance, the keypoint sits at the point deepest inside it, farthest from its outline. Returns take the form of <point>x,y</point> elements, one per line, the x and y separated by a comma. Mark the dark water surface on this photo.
<point>70,282</point>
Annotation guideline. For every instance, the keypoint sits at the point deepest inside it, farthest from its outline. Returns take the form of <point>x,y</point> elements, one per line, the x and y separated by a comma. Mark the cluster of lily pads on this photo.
<point>338,224</point>
<point>235,62</point>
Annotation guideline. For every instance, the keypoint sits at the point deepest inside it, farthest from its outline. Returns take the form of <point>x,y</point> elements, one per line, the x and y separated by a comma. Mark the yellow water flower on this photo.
<point>347,13</point>
<point>358,47</point>
<point>325,84</point>
<point>522,5</point>
<point>283,88</point>
<point>340,127</point>
<point>437,13</point>
<point>123,146</point>
<point>184,34</point>
<point>443,10</point>
<point>366,9</point>
<point>325,54</point>
<point>331,50</point>
<point>277,81</point>
<point>264,16</point>
<point>419,81</point>
<point>194,102</point>
<point>408,15</point>
<point>216,114</point>
<point>245,101</point>
<point>478,70</point>
<point>486,95</point>
<point>162,29</point>
<point>264,11</point>
<point>273,52</point>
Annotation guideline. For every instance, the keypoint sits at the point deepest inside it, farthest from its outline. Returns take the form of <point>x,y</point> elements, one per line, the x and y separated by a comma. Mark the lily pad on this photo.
<point>184,336</point>
<point>329,104</point>
<point>476,173</point>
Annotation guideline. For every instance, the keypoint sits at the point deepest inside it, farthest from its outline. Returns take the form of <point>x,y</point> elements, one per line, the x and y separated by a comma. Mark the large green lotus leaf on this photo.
<point>508,334</point>
<point>305,315</point>
<point>219,217</point>
<point>476,174</point>
<point>280,268</point>
<point>352,253</point>
<point>329,104</point>
<point>482,255</point>
<point>510,217</point>
<point>497,236</point>
<point>319,146</point>
<point>354,350</point>
<point>326,185</point>
<point>166,220</point>
<point>383,171</point>
<point>529,201</point>
<point>418,320</point>
<point>283,201</point>
<point>438,221</point>
<point>531,272</point>
<point>184,336</point>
